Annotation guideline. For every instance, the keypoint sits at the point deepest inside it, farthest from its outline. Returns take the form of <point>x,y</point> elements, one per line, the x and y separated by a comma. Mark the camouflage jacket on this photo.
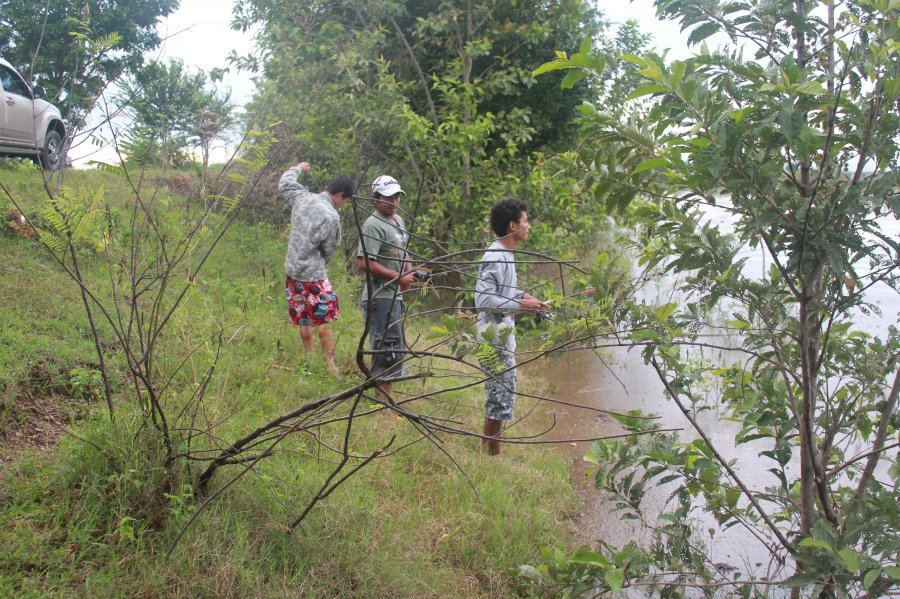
<point>315,229</point>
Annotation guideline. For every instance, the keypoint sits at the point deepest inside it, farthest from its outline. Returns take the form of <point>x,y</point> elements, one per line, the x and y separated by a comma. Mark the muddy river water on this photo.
<point>619,380</point>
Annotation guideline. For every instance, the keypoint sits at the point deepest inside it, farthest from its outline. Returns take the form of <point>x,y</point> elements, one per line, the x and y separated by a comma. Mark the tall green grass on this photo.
<point>95,515</point>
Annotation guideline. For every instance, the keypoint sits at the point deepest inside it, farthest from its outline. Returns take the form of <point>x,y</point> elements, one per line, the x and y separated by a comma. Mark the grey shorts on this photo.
<point>500,389</point>
<point>389,341</point>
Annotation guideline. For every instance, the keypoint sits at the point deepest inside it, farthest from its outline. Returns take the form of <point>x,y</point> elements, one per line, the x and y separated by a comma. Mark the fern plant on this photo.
<point>77,216</point>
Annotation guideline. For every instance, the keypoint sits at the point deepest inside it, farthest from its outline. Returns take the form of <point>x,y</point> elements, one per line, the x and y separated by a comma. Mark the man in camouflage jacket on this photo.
<point>314,236</point>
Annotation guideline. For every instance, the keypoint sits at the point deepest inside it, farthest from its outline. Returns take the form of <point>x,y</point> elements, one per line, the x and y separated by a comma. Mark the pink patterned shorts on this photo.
<point>311,303</point>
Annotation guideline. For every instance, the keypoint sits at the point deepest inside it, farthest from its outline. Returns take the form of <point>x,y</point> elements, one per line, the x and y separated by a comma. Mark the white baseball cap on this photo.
<point>386,185</point>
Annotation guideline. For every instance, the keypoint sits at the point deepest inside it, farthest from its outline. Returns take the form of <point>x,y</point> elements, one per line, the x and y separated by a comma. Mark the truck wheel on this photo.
<point>51,155</point>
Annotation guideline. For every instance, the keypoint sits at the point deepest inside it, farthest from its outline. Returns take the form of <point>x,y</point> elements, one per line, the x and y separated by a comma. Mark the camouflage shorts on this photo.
<point>500,390</point>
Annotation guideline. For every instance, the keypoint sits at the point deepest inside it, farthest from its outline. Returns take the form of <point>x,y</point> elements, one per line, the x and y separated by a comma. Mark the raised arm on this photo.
<point>289,187</point>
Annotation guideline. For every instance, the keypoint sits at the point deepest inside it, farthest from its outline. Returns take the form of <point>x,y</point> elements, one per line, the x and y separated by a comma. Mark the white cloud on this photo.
<point>199,33</point>
<point>666,34</point>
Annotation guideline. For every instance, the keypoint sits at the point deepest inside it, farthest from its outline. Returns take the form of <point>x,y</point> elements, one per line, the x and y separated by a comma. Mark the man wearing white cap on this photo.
<point>382,254</point>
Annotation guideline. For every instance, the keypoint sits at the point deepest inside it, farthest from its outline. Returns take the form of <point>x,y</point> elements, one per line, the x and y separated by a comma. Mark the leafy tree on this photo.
<point>438,93</point>
<point>172,109</point>
<point>498,43</point>
<point>57,41</point>
<point>212,119</point>
<point>793,135</point>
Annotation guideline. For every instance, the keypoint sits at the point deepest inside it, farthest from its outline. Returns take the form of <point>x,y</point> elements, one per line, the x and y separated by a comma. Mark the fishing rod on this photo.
<point>542,315</point>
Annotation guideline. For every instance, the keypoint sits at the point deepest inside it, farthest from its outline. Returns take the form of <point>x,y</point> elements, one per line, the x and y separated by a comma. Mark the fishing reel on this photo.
<point>421,275</point>
<point>543,315</point>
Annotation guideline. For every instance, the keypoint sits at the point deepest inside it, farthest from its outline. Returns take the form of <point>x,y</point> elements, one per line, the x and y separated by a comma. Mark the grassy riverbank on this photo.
<point>92,511</point>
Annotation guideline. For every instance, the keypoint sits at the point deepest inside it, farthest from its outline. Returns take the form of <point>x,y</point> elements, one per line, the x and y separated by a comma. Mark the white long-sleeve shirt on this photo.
<point>497,293</point>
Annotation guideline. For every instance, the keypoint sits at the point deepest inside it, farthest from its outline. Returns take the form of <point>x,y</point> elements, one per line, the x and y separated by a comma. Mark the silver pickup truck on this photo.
<point>29,125</point>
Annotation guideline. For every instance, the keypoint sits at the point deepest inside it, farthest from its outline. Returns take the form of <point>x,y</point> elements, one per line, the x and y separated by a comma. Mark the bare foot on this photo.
<point>333,369</point>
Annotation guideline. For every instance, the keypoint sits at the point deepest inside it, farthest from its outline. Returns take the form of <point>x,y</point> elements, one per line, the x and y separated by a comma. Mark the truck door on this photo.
<point>18,122</point>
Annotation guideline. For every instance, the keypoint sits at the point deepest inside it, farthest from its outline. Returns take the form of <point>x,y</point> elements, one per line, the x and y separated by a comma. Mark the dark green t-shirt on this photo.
<point>385,243</point>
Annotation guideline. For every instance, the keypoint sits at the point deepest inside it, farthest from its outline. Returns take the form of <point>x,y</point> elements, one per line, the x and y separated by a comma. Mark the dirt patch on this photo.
<point>35,414</point>
<point>182,185</point>
<point>18,225</point>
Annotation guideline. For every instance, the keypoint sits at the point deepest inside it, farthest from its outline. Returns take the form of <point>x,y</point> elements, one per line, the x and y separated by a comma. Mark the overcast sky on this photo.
<point>199,34</point>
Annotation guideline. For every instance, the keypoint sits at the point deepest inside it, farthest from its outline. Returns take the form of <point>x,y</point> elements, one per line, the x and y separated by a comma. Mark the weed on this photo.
<point>20,165</point>
<point>85,383</point>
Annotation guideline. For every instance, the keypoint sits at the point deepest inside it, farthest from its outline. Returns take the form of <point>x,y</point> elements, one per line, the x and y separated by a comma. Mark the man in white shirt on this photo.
<point>498,299</point>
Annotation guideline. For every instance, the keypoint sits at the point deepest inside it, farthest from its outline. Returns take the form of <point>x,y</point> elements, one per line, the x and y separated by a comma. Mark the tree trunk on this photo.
<point>467,116</point>
<point>807,415</point>
<point>880,437</point>
<point>812,471</point>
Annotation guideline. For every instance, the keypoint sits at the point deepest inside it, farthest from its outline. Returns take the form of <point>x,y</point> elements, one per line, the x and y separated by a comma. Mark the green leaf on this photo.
<point>871,576</point>
<point>531,573</point>
<point>808,142</point>
<point>665,311</point>
<point>614,578</point>
<point>894,470</point>
<point>811,88</point>
<point>732,496</point>
<point>699,142</point>
<point>647,89</point>
<point>791,122</point>
<point>652,71</point>
<point>893,571</point>
<point>702,32</point>
<point>109,168</point>
<point>738,115</point>
<point>811,542</point>
<point>581,60</point>
<point>850,558</point>
<point>438,333</point>
<point>571,78</point>
<point>676,73</point>
<point>585,556</point>
<point>634,59</point>
<point>649,164</point>
<point>585,46</point>
<point>645,335</point>
<point>552,66</point>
